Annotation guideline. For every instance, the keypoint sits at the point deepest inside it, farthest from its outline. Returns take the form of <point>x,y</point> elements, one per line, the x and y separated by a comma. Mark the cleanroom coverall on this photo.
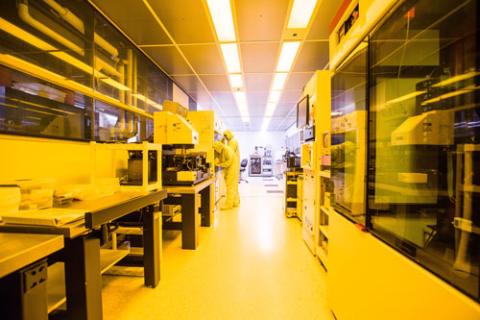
<point>225,159</point>
<point>233,144</point>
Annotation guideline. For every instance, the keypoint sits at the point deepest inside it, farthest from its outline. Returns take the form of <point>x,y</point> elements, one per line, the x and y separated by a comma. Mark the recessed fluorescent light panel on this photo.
<point>301,13</point>
<point>230,55</point>
<point>270,109</point>
<point>287,56</point>
<point>241,100</point>
<point>221,13</point>
<point>265,124</point>
<point>279,81</point>
<point>236,81</point>
<point>274,96</point>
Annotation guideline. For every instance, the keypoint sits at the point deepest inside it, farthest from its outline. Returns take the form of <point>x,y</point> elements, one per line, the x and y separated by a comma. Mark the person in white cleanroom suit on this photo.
<point>225,158</point>
<point>233,144</point>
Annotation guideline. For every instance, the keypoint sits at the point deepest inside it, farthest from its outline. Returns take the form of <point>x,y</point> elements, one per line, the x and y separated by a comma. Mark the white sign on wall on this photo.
<point>180,96</point>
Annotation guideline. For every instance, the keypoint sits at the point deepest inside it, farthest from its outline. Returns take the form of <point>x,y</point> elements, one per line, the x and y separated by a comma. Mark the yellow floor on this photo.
<point>252,264</point>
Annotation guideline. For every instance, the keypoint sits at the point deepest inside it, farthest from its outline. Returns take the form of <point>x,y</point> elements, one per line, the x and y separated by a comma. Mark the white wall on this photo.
<point>248,140</point>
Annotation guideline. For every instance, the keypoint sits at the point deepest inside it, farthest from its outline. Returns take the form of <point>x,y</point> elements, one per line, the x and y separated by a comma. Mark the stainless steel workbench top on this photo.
<point>18,250</point>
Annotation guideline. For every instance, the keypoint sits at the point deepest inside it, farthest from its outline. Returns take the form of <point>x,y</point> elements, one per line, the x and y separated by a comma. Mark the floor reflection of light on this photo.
<point>264,230</point>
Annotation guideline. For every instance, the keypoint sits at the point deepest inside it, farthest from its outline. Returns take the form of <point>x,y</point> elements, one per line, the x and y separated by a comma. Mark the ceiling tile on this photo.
<point>258,82</point>
<point>169,59</point>
<point>226,101</point>
<point>189,83</point>
<point>259,57</point>
<point>313,56</point>
<point>186,20</point>
<point>260,20</point>
<point>290,96</point>
<point>296,81</point>
<point>283,109</point>
<point>326,12</point>
<point>136,21</point>
<point>257,100</point>
<point>205,59</point>
<point>216,82</point>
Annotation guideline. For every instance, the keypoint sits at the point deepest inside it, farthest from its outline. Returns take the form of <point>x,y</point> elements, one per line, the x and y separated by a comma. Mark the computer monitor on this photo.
<point>303,110</point>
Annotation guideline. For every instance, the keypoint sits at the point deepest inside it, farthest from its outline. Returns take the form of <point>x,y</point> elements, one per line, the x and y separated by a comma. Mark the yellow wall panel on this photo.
<point>369,280</point>
<point>37,158</point>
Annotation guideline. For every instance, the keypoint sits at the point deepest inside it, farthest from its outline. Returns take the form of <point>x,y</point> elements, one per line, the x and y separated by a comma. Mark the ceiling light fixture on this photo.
<point>236,81</point>
<point>241,100</point>
<point>274,96</point>
<point>301,13</point>
<point>265,124</point>
<point>221,13</point>
<point>270,109</point>
<point>231,57</point>
<point>279,80</point>
<point>287,56</point>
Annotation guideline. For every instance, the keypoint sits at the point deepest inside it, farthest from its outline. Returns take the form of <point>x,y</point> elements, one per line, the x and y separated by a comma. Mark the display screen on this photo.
<point>302,112</point>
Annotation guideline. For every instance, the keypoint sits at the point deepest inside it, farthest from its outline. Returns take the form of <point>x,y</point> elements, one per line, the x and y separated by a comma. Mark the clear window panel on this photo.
<point>113,124</point>
<point>29,106</point>
<point>348,138</point>
<point>424,143</point>
<point>34,39</point>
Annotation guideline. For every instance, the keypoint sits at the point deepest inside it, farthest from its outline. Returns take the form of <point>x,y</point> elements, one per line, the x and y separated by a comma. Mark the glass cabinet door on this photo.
<point>424,137</point>
<point>348,138</point>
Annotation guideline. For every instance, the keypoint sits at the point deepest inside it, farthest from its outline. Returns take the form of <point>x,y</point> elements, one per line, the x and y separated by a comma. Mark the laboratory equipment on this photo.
<point>184,169</point>
<point>317,91</point>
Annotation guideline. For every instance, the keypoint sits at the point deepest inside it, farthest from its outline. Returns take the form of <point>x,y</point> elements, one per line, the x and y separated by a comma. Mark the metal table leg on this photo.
<point>24,293</point>
<point>190,221</point>
<point>83,279</point>
<point>206,209</point>
<point>152,246</point>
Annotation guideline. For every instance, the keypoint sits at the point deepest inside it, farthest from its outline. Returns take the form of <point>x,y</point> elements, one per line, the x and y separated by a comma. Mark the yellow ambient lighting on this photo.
<point>465,90</point>
<point>221,13</point>
<point>287,56</point>
<point>236,81</point>
<point>148,101</point>
<point>241,100</point>
<point>47,75</point>
<point>115,84</point>
<point>404,97</point>
<point>457,78</point>
<point>231,57</point>
<point>301,13</point>
<point>39,43</point>
<point>279,81</point>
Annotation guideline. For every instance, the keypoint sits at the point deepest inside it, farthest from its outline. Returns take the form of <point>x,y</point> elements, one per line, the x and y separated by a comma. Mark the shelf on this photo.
<point>325,210</point>
<point>292,182</point>
<point>291,200</point>
<point>137,231</point>
<point>324,230</point>
<point>325,174</point>
<point>108,258</point>
<point>56,276</point>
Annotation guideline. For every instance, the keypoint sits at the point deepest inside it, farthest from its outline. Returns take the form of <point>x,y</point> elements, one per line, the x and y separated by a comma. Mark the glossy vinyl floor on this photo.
<point>252,264</point>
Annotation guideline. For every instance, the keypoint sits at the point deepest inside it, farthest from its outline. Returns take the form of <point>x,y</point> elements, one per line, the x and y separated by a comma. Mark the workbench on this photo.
<point>23,274</point>
<point>191,219</point>
<point>83,262</point>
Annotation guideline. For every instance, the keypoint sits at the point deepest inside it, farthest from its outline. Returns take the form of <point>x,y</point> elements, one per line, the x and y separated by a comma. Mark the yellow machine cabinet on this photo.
<point>313,154</point>
<point>204,124</point>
